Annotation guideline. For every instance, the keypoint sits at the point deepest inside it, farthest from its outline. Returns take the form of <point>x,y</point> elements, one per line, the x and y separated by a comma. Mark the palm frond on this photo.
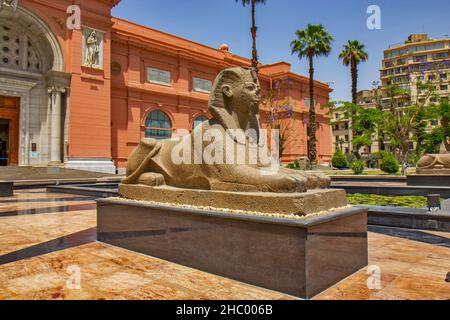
<point>312,41</point>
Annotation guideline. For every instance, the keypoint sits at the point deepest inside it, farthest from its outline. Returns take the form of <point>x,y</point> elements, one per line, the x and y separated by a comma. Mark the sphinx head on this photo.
<point>235,91</point>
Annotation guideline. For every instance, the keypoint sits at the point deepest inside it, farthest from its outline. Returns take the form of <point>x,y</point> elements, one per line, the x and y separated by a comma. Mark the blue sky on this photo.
<point>213,22</point>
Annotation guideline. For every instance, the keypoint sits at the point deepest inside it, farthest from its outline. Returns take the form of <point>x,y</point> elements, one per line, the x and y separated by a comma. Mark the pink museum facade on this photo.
<point>83,98</point>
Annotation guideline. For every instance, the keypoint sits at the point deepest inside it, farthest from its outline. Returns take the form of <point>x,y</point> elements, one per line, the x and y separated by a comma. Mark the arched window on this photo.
<point>12,47</point>
<point>158,126</point>
<point>198,121</point>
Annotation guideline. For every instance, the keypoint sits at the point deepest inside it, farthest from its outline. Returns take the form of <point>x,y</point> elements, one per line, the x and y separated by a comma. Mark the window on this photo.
<point>13,46</point>
<point>202,85</point>
<point>443,76</point>
<point>346,138</point>
<point>159,76</point>
<point>420,58</point>
<point>389,64</point>
<point>444,87</point>
<point>440,56</point>
<point>434,123</point>
<point>401,61</point>
<point>435,46</point>
<point>198,121</point>
<point>158,126</point>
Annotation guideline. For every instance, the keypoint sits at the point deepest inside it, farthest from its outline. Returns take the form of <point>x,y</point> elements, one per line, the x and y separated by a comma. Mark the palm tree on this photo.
<point>314,41</point>
<point>352,55</point>
<point>253,29</point>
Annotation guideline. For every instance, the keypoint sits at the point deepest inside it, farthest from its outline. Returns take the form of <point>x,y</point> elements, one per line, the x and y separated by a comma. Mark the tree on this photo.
<point>314,41</point>
<point>352,55</point>
<point>253,29</point>
<point>420,134</point>
<point>440,134</point>
<point>400,120</point>
<point>278,111</point>
<point>377,97</point>
<point>364,123</point>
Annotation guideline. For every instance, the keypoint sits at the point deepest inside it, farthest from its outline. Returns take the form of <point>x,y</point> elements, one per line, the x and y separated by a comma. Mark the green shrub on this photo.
<point>295,165</point>
<point>389,164</point>
<point>339,160</point>
<point>358,167</point>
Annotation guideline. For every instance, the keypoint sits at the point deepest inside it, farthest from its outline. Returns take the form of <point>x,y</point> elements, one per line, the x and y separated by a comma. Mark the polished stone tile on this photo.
<point>409,269</point>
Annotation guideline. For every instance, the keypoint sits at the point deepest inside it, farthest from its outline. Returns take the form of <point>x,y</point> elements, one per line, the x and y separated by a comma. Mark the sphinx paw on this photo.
<point>152,179</point>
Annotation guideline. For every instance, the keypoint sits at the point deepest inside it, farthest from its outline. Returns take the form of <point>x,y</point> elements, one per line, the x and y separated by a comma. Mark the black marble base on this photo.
<point>408,218</point>
<point>428,180</point>
<point>6,189</point>
<point>298,257</point>
<point>421,191</point>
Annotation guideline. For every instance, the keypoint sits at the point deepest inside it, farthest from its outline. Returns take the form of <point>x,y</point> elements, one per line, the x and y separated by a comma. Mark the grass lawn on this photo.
<point>387,201</point>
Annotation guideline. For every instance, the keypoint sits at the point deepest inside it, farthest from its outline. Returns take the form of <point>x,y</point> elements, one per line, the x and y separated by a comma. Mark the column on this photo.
<point>56,139</point>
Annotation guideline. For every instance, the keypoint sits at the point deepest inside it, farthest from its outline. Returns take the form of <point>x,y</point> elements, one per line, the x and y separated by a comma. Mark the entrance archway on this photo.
<point>31,73</point>
<point>9,131</point>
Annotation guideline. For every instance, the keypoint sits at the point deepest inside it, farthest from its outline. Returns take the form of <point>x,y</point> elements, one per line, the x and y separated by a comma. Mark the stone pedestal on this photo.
<point>300,204</point>
<point>433,178</point>
<point>433,172</point>
<point>298,257</point>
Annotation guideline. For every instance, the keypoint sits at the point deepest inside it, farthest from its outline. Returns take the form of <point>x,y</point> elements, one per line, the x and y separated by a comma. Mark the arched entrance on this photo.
<point>9,130</point>
<point>32,89</point>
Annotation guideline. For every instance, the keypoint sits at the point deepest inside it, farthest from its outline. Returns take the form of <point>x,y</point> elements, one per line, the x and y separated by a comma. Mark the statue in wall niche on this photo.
<point>233,132</point>
<point>92,50</point>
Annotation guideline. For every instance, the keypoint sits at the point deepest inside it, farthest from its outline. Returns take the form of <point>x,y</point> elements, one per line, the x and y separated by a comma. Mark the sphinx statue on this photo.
<point>234,105</point>
<point>437,164</point>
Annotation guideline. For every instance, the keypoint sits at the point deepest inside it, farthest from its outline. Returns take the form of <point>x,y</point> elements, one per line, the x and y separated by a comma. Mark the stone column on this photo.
<point>56,124</point>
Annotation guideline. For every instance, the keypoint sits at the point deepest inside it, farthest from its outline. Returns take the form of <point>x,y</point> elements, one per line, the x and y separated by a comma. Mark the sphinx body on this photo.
<point>431,163</point>
<point>234,104</point>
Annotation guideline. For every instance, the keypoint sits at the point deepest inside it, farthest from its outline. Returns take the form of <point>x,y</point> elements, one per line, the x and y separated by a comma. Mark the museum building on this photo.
<point>84,97</point>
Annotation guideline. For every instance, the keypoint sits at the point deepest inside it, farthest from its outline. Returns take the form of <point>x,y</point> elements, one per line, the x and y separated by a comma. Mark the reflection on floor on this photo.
<point>47,246</point>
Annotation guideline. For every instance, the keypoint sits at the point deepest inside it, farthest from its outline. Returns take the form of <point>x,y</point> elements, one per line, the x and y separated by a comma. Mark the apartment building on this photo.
<point>419,59</point>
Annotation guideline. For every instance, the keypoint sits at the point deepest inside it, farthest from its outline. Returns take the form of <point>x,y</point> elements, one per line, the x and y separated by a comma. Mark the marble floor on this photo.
<point>48,251</point>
